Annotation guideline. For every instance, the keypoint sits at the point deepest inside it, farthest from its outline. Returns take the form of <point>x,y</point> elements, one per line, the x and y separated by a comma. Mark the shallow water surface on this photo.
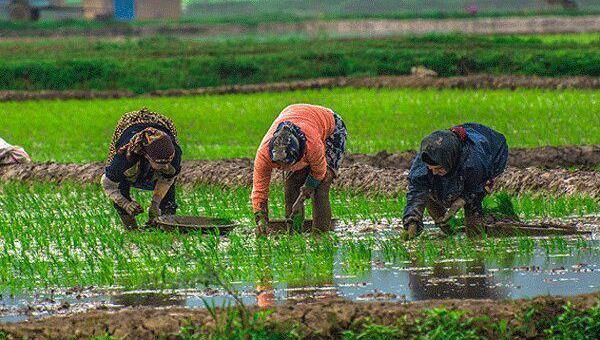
<point>571,271</point>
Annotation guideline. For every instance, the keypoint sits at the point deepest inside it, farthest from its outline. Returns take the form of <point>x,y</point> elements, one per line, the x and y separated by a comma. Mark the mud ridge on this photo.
<point>358,177</point>
<point>322,319</point>
<point>580,156</point>
<point>463,82</point>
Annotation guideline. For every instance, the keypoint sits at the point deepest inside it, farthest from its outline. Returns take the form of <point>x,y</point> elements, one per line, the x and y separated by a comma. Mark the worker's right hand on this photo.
<point>412,229</point>
<point>133,208</point>
<point>262,220</point>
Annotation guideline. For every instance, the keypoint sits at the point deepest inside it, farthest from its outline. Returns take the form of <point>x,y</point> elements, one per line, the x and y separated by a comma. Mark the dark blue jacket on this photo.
<point>138,171</point>
<point>484,156</point>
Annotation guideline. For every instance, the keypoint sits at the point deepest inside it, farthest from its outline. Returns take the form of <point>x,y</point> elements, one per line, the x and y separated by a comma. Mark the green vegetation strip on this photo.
<point>540,319</point>
<point>169,63</point>
<point>64,236</point>
<point>226,126</point>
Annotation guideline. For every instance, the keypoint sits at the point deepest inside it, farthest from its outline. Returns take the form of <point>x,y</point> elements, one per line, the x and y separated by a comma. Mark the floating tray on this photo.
<point>194,223</point>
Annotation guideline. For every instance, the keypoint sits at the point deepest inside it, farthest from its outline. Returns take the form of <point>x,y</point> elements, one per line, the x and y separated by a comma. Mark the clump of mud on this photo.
<point>320,319</point>
<point>463,82</point>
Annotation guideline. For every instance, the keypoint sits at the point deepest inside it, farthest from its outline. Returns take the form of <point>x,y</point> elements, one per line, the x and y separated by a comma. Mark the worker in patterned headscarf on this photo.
<point>455,168</point>
<point>307,141</point>
<point>144,154</point>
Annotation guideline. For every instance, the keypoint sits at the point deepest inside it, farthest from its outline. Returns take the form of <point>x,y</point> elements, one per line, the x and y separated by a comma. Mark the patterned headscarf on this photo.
<point>152,142</point>
<point>287,144</point>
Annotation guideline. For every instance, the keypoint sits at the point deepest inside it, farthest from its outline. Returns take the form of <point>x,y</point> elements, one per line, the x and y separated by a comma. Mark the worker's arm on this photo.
<point>418,190</point>
<point>315,156</point>
<point>160,191</point>
<point>111,189</point>
<point>261,180</point>
<point>416,200</point>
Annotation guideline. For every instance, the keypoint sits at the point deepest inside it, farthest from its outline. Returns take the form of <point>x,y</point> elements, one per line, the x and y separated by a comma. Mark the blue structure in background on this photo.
<point>124,9</point>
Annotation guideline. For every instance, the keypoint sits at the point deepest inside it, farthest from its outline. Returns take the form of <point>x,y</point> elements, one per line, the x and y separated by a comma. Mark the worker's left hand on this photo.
<point>307,191</point>
<point>154,211</point>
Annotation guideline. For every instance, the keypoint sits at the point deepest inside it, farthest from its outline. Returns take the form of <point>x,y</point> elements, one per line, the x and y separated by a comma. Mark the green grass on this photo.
<point>64,236</point>
<point>159,63</point>
<point>225,126</point>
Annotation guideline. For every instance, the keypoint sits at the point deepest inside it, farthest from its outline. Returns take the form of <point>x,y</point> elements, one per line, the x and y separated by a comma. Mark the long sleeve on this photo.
<point>315,156</point>
<point>416,199</point>
<point>111,189</point>
<point>261,180</point>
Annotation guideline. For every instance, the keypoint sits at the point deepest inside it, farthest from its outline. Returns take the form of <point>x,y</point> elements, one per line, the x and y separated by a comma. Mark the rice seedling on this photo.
<point>204,122</point>
<point>68,235</point>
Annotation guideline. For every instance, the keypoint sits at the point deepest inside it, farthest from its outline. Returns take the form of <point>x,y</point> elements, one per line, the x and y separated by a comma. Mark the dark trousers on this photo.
<point>321,205</point>
<point>168,206</point>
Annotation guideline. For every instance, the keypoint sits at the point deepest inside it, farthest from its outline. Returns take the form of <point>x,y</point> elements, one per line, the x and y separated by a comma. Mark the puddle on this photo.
<point>510,276</point>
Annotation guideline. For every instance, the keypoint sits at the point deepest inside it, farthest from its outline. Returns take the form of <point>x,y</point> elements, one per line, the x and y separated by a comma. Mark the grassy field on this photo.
<point>144,65</point>
<point>225,126</point>
<point>64,236</point>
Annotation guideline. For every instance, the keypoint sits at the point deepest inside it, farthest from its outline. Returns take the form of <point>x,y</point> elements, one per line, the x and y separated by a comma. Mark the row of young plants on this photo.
<point>385,119</point>
<point>63,236</point>
<point>159,64</point>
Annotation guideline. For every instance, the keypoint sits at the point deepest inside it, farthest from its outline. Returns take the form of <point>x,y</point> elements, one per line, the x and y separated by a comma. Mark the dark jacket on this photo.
<point>138,171</point>
<point>483,156</point>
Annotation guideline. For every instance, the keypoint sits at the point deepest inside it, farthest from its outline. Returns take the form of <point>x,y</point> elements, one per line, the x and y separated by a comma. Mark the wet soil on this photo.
<point>463,82</point>
<point>382,173</point>
<point>321,319</point>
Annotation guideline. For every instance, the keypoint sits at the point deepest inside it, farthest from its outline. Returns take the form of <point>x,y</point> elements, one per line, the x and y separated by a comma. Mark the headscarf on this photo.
<point>154,143</point>
<point>287,144</point>
<point>443,148</point>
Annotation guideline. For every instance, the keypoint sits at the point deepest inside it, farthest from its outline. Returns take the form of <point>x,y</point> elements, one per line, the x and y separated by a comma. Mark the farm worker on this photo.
<point>144,154</point>
<point>307,141</point>
<point>454,168</point>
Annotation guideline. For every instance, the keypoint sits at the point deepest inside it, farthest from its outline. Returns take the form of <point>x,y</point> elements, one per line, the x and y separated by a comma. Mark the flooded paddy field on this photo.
<point>63,253</point>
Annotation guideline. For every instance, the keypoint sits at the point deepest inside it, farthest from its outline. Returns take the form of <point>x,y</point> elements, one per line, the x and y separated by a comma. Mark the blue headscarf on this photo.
<point>287,144</point>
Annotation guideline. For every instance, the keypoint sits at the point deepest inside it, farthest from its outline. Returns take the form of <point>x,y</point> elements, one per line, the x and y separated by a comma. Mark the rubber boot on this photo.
<point>129,221</point>
<point>322,205</point>
<point>293,182</point>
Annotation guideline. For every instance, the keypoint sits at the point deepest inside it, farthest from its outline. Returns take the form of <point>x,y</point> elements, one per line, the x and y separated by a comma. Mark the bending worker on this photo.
<point>454,168</point>
<point>144,154</point>
<point>308,141</point>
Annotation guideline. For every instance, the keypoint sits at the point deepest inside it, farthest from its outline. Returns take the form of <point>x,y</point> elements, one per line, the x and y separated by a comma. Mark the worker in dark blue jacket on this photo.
<point>454,169</point>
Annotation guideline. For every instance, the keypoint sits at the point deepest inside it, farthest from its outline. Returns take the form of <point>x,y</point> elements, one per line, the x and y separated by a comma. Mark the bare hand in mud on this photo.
<point>307,191</point>
<point>133,208</point>
<point>412,231</point>
<point>153,211</point>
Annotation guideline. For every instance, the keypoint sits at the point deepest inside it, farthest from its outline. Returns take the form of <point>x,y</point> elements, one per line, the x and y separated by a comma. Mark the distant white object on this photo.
<point>421,71</point>
<point>11,154</point>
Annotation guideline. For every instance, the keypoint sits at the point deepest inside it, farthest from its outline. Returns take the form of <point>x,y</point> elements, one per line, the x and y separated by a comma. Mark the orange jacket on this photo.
<point>317,124</point>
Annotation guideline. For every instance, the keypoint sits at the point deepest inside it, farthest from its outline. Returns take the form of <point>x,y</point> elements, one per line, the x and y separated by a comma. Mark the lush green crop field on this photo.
<point>225,126</point>
<point>63,236</point>
<point>164,63</point>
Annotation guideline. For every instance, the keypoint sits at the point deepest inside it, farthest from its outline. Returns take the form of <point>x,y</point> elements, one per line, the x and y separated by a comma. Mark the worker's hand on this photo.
<point>132,208</point>
<point>262,220</point>
<point>454,208</point>
<point>154,211</point>
<point>412,229</point>
<point>307,191</point>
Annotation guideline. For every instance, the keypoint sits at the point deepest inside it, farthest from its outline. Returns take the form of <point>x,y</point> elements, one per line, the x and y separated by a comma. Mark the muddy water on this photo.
<point>570,271</point>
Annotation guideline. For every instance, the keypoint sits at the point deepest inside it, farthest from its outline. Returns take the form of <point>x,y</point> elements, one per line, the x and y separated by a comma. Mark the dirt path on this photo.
<point>323,319</point>
<point>463,82</point>
<point>340,27</point>
<point>383,173</point>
